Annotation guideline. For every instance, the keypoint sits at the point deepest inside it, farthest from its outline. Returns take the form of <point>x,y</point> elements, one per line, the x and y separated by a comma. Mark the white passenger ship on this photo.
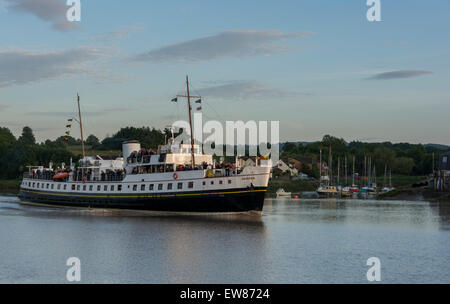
<point>177,178</point>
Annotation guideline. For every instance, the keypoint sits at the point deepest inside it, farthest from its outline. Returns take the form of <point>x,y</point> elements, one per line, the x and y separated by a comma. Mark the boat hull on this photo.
<point>228,201</point>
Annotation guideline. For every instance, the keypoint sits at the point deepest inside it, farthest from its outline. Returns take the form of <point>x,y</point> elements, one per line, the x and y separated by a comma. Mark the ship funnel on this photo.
<point>129,147</point>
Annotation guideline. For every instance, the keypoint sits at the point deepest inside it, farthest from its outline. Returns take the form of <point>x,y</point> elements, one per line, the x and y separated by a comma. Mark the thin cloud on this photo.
<point>115,35</point>
<point>3,107</point>
<point>399,74</point>
<point>247,90</point>
<point>53,11</point>
<point>235,43</point>
<point>105,111</point>
<point>18,67</point>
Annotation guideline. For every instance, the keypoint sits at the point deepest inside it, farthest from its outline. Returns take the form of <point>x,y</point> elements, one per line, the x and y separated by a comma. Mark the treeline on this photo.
<point>401,158</point>
<point>404,158</point>
<point>17,153</point>
<point>150,138</point>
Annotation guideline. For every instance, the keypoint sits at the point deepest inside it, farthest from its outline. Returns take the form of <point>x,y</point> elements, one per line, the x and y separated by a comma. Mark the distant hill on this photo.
<point>435,146</point>
<point>438,146</point>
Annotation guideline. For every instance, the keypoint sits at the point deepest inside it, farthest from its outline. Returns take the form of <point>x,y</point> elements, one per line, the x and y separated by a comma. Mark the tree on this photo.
<point>6,138</point>
<point>338,145</point>
<point>403,165</point>
<point>27,137</point>
<point>92,140</point>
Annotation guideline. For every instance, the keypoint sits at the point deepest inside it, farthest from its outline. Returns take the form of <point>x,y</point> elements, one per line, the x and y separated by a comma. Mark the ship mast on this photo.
<point>81,127</point>
<point>188,96</point>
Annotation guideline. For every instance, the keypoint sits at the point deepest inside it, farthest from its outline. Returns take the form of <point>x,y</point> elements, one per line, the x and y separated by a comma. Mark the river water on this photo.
<point>295,241</point>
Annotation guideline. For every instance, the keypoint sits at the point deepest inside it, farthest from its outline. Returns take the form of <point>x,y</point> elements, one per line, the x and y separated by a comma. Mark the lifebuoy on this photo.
<point>175,176</point>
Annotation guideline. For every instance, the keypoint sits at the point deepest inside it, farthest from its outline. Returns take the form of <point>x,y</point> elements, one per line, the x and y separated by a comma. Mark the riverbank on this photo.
<point>293,186</point>
<point>416,194</point>
<point>9,185</point>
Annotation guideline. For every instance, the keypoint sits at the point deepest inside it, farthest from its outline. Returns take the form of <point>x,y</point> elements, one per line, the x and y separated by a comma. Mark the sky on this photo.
<point>319,67</point>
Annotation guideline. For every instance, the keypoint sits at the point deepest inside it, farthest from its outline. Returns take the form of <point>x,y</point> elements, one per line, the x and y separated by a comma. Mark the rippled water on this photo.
<point>296,241</point>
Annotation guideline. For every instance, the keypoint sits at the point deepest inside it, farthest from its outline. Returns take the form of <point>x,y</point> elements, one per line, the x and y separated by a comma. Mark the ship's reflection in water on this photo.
<point>295,241</point>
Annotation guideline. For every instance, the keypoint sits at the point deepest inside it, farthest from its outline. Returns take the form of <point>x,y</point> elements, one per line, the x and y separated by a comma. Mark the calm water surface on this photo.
<point>296,241</point>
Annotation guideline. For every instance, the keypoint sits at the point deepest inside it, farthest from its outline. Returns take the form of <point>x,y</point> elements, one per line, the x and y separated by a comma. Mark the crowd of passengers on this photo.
<point>46,174</point>
<point>229,168</point>
<point>108,176</point>
<point>142,156</point>
<point>79,175</point>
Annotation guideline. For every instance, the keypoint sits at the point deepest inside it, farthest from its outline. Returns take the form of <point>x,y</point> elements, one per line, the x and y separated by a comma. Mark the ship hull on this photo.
<point>228,201</point>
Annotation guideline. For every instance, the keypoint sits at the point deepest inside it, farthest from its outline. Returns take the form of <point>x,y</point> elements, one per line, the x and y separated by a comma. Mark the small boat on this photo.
<point>327,190</point>
<point>354,189</point>
<point>61,175</point>
<point>281,193</point>
<point>346,191</point>
<point>387,189</point>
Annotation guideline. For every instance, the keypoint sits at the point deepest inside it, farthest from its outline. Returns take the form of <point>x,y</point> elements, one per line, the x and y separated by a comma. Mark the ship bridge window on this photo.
<point>134,187</point>
<point>142,187</point>
<point>160,186</point>
<point>91,188</point>
<point>112,188</point>
<point>191,185</point>
<point>84,188</point>
<point>98,188</point>
<point>180,186</point>
<point>105,188</point>
<point>151,187</point>
<point>53,185</point>
<point>59,187</point>
<point>169,186</point>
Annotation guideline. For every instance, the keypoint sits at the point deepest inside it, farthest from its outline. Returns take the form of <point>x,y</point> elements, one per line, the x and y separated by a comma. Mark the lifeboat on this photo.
<point>61,175</point>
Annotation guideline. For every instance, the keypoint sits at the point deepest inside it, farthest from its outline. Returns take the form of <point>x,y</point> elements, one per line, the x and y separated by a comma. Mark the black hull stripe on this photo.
<point>204,202</point>
<point>142,195</point>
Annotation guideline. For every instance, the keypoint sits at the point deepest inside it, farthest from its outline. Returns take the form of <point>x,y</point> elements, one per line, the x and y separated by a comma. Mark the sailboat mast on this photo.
<point>353,175</point>
<point>320,169</point>
<point>339,172</point>
<point>81,127</point>
<point>330,160</point>
<point>346,176</point>
<point>190,122</point>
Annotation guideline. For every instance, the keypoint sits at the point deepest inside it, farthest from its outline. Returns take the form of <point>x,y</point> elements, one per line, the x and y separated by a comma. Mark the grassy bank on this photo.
<point>109,154</point>
<point>291,185</point>
<point>9,185</point>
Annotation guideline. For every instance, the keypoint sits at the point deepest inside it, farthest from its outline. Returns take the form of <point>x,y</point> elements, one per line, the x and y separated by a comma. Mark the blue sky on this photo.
<point>319,67</point>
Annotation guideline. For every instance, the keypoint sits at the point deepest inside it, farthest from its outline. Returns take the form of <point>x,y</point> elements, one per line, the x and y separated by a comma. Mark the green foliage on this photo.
<point>404,165</point>
<point>93,141</point>
<point>15,155</point>
<point>27,137</point>
<point>149,138</point>
<point>401,158</point>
